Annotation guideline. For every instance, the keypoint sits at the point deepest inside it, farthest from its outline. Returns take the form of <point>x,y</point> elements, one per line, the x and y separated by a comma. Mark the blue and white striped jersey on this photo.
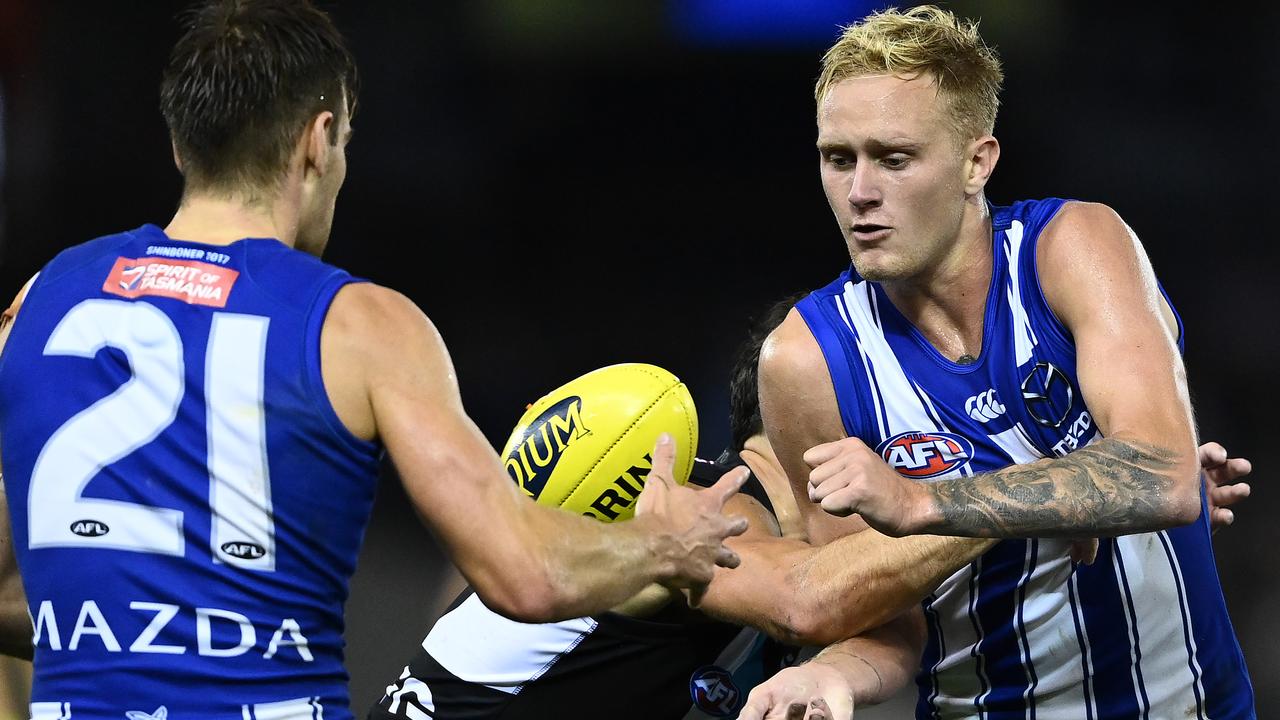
<point>1022,632</point>
<point>187,507</point>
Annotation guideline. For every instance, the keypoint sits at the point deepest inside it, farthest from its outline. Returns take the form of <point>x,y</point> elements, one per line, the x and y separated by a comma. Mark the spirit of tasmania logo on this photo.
<point>920,455</point>
<point>190,281</point>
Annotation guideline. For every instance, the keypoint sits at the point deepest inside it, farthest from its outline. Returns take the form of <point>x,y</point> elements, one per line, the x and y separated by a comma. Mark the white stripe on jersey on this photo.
<point>479,646</point>
<point>901,405</point>
<point>50,711</point>
<point>957,683</point>
<point>1015,443</point>
<point>1024,338</point>
<point>1050,634</point>
<point>1186,620</point>
<point>866,366</point>
<point>1166,675</point>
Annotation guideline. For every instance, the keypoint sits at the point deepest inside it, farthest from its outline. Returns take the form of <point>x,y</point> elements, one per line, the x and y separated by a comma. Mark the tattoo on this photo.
<point>966,359</point>
<point>1110,487</point>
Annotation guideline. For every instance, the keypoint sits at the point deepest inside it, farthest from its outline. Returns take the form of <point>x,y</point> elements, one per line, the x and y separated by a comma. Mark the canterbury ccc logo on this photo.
<point>920,455</point>
<point>984,406</point>
<point>535,456</point>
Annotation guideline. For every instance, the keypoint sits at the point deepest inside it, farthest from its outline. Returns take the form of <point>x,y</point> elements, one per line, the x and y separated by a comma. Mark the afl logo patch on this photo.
<point>920,455</point>
<point>243,550</point>
<point>713,691</point>
<point>89,528</point>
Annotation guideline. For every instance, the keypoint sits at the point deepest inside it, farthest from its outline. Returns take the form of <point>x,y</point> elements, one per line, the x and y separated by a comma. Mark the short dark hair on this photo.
<point>744,379</point>
<point>243,81</point>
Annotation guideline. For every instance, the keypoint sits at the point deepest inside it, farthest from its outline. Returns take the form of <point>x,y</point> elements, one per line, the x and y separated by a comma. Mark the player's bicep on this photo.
<point>450,472</point>
<point>1099,282</point>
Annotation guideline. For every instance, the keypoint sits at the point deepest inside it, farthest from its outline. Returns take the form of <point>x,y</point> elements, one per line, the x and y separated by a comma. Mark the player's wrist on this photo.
<point>923,510</point>
<point>658,545</point>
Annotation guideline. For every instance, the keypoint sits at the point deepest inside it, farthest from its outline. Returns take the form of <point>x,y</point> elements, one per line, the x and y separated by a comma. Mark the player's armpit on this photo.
<point>1143,475</point>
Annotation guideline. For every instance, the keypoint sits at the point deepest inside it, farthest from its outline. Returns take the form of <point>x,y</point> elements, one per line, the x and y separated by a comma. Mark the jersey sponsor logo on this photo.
<point>1077,434</point>
<point>89,528</point>
<point>161,713</point>
<point>920,455</point>
<point>984,406</point>
<point>714,692</point>
<point>1047,393</point>
<point>191,281</point>
<point>218,633</point>
<point>535,457</point>
<point>244,550</point>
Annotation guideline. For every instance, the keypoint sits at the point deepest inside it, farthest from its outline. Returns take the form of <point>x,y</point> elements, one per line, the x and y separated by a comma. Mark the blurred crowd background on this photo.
<point>566,184</point>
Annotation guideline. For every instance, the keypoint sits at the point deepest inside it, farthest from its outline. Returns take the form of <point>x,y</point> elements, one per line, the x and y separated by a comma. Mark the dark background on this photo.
<point>566,184</point>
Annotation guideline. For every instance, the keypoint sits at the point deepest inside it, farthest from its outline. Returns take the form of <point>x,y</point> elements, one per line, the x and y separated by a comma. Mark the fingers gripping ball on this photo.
<point>587,446</point>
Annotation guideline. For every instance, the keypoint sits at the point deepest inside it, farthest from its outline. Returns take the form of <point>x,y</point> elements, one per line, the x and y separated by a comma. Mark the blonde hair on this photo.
<point>925,39</point>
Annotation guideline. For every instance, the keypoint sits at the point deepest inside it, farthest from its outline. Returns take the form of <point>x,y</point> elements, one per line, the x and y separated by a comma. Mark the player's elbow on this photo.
<point>1184,499</point>
<point>526,596</point>
<point>810,621</point>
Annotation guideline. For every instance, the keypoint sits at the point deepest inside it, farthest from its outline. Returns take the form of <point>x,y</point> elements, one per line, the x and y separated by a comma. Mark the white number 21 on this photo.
<point>243,529</point>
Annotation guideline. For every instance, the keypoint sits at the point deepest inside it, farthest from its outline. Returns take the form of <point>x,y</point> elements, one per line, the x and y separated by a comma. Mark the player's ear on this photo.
<point>316,141</point>
<point>177,159</point>
<point>981,156</point>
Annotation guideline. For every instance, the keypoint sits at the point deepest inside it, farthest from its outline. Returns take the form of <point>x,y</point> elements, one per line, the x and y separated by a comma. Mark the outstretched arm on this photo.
<point>526,561</point>
<point>1141,476</point>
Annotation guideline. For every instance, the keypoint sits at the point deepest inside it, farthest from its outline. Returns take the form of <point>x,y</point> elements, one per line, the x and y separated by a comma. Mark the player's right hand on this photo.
<point>692,528</point>
<point>813,691</point>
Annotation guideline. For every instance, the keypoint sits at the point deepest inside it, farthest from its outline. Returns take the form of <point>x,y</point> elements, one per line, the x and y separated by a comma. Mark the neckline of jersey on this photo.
<point>988,315</point>
<point>153,229</point>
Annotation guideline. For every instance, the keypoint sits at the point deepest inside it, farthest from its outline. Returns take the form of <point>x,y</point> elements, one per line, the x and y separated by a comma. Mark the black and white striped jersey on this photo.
<point>477,665</point>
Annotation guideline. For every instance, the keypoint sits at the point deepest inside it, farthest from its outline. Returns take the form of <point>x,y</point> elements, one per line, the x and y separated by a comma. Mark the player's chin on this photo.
<point>878,266</point>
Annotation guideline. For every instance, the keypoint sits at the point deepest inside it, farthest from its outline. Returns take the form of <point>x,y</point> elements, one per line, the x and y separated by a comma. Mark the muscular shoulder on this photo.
<point>791,357</point>
<point>1082,252</point>
<point>797,396</point>
<point>375,337</point>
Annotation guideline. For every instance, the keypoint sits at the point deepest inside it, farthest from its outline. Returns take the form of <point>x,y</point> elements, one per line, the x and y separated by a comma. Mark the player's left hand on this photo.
<point>848,477</point>
<point>1220,473</point>
<point>813,691</point>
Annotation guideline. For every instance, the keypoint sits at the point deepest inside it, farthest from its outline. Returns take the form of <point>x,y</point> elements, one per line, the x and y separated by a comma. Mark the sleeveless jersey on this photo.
<point>477,665</point>
<point>186,506</point>
<point>1022,632</point>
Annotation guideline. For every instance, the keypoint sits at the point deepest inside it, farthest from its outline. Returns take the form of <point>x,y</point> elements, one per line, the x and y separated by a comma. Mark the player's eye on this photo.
<point>897,161</point>
<point>836,159</point>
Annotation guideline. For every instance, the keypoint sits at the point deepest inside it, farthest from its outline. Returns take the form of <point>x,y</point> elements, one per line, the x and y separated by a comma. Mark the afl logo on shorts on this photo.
<point>713,691</point>
<point>921,455</point>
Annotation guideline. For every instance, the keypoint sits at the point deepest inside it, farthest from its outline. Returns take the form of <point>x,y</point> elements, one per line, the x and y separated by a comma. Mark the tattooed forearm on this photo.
<point>1108,488</point>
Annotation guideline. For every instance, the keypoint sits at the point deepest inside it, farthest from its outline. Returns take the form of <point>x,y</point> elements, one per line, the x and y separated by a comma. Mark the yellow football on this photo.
<point>587,446</point>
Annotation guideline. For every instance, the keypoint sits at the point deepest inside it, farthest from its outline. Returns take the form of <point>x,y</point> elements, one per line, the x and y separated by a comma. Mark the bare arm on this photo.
<point>389,376</point>
<point>801,592</point>
<point>864,670</point>
<point>1142,476</point>
<point>806,595</point>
